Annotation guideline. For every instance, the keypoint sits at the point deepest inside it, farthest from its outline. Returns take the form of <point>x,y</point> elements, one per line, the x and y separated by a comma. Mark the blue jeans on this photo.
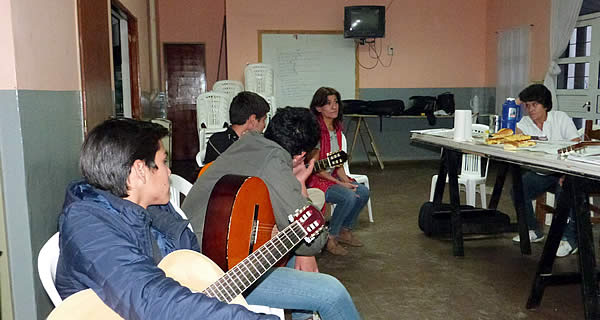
<point>288,288</point>
<point>534,185</point>
<point>348,203</point>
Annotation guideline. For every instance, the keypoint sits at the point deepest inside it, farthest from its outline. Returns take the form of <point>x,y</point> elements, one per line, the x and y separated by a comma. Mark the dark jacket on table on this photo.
<point>106,245</point>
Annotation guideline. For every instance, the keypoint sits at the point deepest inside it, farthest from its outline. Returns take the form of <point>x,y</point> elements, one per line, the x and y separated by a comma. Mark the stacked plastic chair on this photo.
<point>259,79</point>
<point>229,87</point>
<point>212,109</point>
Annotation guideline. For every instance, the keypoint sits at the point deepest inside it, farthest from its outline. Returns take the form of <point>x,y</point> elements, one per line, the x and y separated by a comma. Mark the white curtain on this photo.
<point>562,21</point>
<point>512,64</point>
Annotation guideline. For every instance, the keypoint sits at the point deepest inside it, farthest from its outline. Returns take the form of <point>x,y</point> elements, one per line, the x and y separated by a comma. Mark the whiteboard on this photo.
<point>304,62</point>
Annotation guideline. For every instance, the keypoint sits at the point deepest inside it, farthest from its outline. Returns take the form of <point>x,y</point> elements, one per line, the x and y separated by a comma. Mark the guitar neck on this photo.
<point>321,165</point>
<point>578,146</point>
<point>245,273</point>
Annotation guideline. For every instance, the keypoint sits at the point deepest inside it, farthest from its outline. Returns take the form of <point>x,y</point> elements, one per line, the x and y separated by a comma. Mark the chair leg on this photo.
<point>470,193</point>
<point>483,196</point>
<point>370,210</point>
<point>433,182</point>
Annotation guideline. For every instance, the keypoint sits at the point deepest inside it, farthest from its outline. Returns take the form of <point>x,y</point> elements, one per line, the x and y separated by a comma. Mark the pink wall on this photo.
<point>438,43</point>
<point>8,77</point>
<point>502,14</point>
<point>193,21</point>
<point>45,44</point>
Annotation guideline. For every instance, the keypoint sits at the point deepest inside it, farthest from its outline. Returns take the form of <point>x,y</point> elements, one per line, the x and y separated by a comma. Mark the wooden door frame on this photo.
<point>134,61</point>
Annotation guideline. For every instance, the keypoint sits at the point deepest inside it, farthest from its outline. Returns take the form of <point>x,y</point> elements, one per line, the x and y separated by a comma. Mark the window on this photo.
<point>578,84</point>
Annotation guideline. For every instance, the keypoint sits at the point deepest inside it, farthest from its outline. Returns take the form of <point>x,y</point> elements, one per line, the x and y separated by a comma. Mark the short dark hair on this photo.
<point>295,129</point>
<point>320,99</point>
<point>244,105</point>
<point>537,93</point>
<point>111,148</point>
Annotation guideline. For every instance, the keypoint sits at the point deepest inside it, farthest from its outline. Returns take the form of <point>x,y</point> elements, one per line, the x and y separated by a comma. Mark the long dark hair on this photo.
<point>320,99</point>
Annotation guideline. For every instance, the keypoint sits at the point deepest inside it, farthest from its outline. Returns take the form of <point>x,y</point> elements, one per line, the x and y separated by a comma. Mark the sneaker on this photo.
<point>533,237</point>
<point>565,249</point>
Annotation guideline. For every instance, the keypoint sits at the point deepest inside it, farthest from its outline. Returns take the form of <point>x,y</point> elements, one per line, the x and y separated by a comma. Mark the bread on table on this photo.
<point>510,140</point>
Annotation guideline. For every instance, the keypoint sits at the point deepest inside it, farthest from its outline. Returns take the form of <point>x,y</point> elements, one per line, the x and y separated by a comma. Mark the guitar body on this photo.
<point>239,219</point>
<point>177,265</point>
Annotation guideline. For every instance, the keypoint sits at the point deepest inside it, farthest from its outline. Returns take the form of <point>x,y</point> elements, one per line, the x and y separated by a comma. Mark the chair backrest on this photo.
<point>479,129</point>
<point>471,166</point>
<point>203,136</point>
<point>344,148</point>
<point>47,261</point>
<point>259,78</point>
<point>178,186</point>
<point>212,109</point>
<point>272,108</point>
<point>229,87</point>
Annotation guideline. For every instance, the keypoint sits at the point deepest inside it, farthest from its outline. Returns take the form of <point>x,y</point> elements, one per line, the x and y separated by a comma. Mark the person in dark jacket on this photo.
<point>116,225</point>
<point>247,113</point>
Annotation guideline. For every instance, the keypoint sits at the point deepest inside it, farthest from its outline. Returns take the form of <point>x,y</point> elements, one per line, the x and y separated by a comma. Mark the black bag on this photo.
<point>437,223</point>
<point>391,107</point>
<point>421,105</point>
<point>354,106</point>
<point>445,101</point>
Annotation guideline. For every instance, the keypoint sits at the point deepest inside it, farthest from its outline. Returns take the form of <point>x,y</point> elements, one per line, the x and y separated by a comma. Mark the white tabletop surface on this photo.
<point>534,157</point>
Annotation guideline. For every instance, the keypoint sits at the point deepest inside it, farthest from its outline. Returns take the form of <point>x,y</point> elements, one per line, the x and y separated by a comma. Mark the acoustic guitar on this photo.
<point>333,159</point>
<point>195,271</point>
<point>239,218</point>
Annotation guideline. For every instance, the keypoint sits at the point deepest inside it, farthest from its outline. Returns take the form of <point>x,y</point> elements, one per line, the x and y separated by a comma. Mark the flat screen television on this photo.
<point>364,22</point>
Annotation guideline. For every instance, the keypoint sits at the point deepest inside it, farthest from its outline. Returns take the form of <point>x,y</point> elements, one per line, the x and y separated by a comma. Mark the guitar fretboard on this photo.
<point>321,165</point>
<point>245,273</point>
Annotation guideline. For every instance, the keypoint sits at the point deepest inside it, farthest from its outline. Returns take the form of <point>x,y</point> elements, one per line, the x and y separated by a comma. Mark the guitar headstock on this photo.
<point>310,219</point>
<point>337,158</point>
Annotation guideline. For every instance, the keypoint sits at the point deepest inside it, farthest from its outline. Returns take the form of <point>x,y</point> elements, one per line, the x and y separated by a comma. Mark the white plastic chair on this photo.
<point>212,111</point>
<point>360,178</point>
<point>259,78</point>
<point>47,261</point>
<point>229,87</point>
<point>179,186</point>
<point>471,177</point>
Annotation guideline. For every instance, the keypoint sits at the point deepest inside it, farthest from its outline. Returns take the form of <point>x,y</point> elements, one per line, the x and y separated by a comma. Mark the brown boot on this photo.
<point>335,248</point>
<point>347,237</point>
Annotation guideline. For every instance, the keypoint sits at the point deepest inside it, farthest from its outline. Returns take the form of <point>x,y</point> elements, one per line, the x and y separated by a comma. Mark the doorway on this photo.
<point>186,79</point>
<point>120,54</point>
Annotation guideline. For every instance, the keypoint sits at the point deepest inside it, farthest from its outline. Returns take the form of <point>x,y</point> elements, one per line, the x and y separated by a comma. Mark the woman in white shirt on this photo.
<point>556,126</point>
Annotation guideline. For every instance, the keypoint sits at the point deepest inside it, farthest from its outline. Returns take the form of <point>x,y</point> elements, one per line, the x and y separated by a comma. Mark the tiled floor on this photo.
<point>402,274</point>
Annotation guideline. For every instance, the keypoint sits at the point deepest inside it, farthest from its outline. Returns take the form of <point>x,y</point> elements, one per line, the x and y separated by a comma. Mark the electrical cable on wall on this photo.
<point>374,53</point>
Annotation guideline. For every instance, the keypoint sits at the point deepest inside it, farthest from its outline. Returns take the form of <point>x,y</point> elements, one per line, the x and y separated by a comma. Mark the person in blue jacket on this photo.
<point>116,225</point>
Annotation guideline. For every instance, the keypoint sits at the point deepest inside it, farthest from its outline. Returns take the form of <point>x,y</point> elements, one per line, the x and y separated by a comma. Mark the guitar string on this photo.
<point>235,270</point>
<point>265,269</point>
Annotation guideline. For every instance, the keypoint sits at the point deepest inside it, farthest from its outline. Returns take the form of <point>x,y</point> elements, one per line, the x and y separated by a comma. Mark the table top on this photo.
<point>539,160</point>
<point>356,115</point>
